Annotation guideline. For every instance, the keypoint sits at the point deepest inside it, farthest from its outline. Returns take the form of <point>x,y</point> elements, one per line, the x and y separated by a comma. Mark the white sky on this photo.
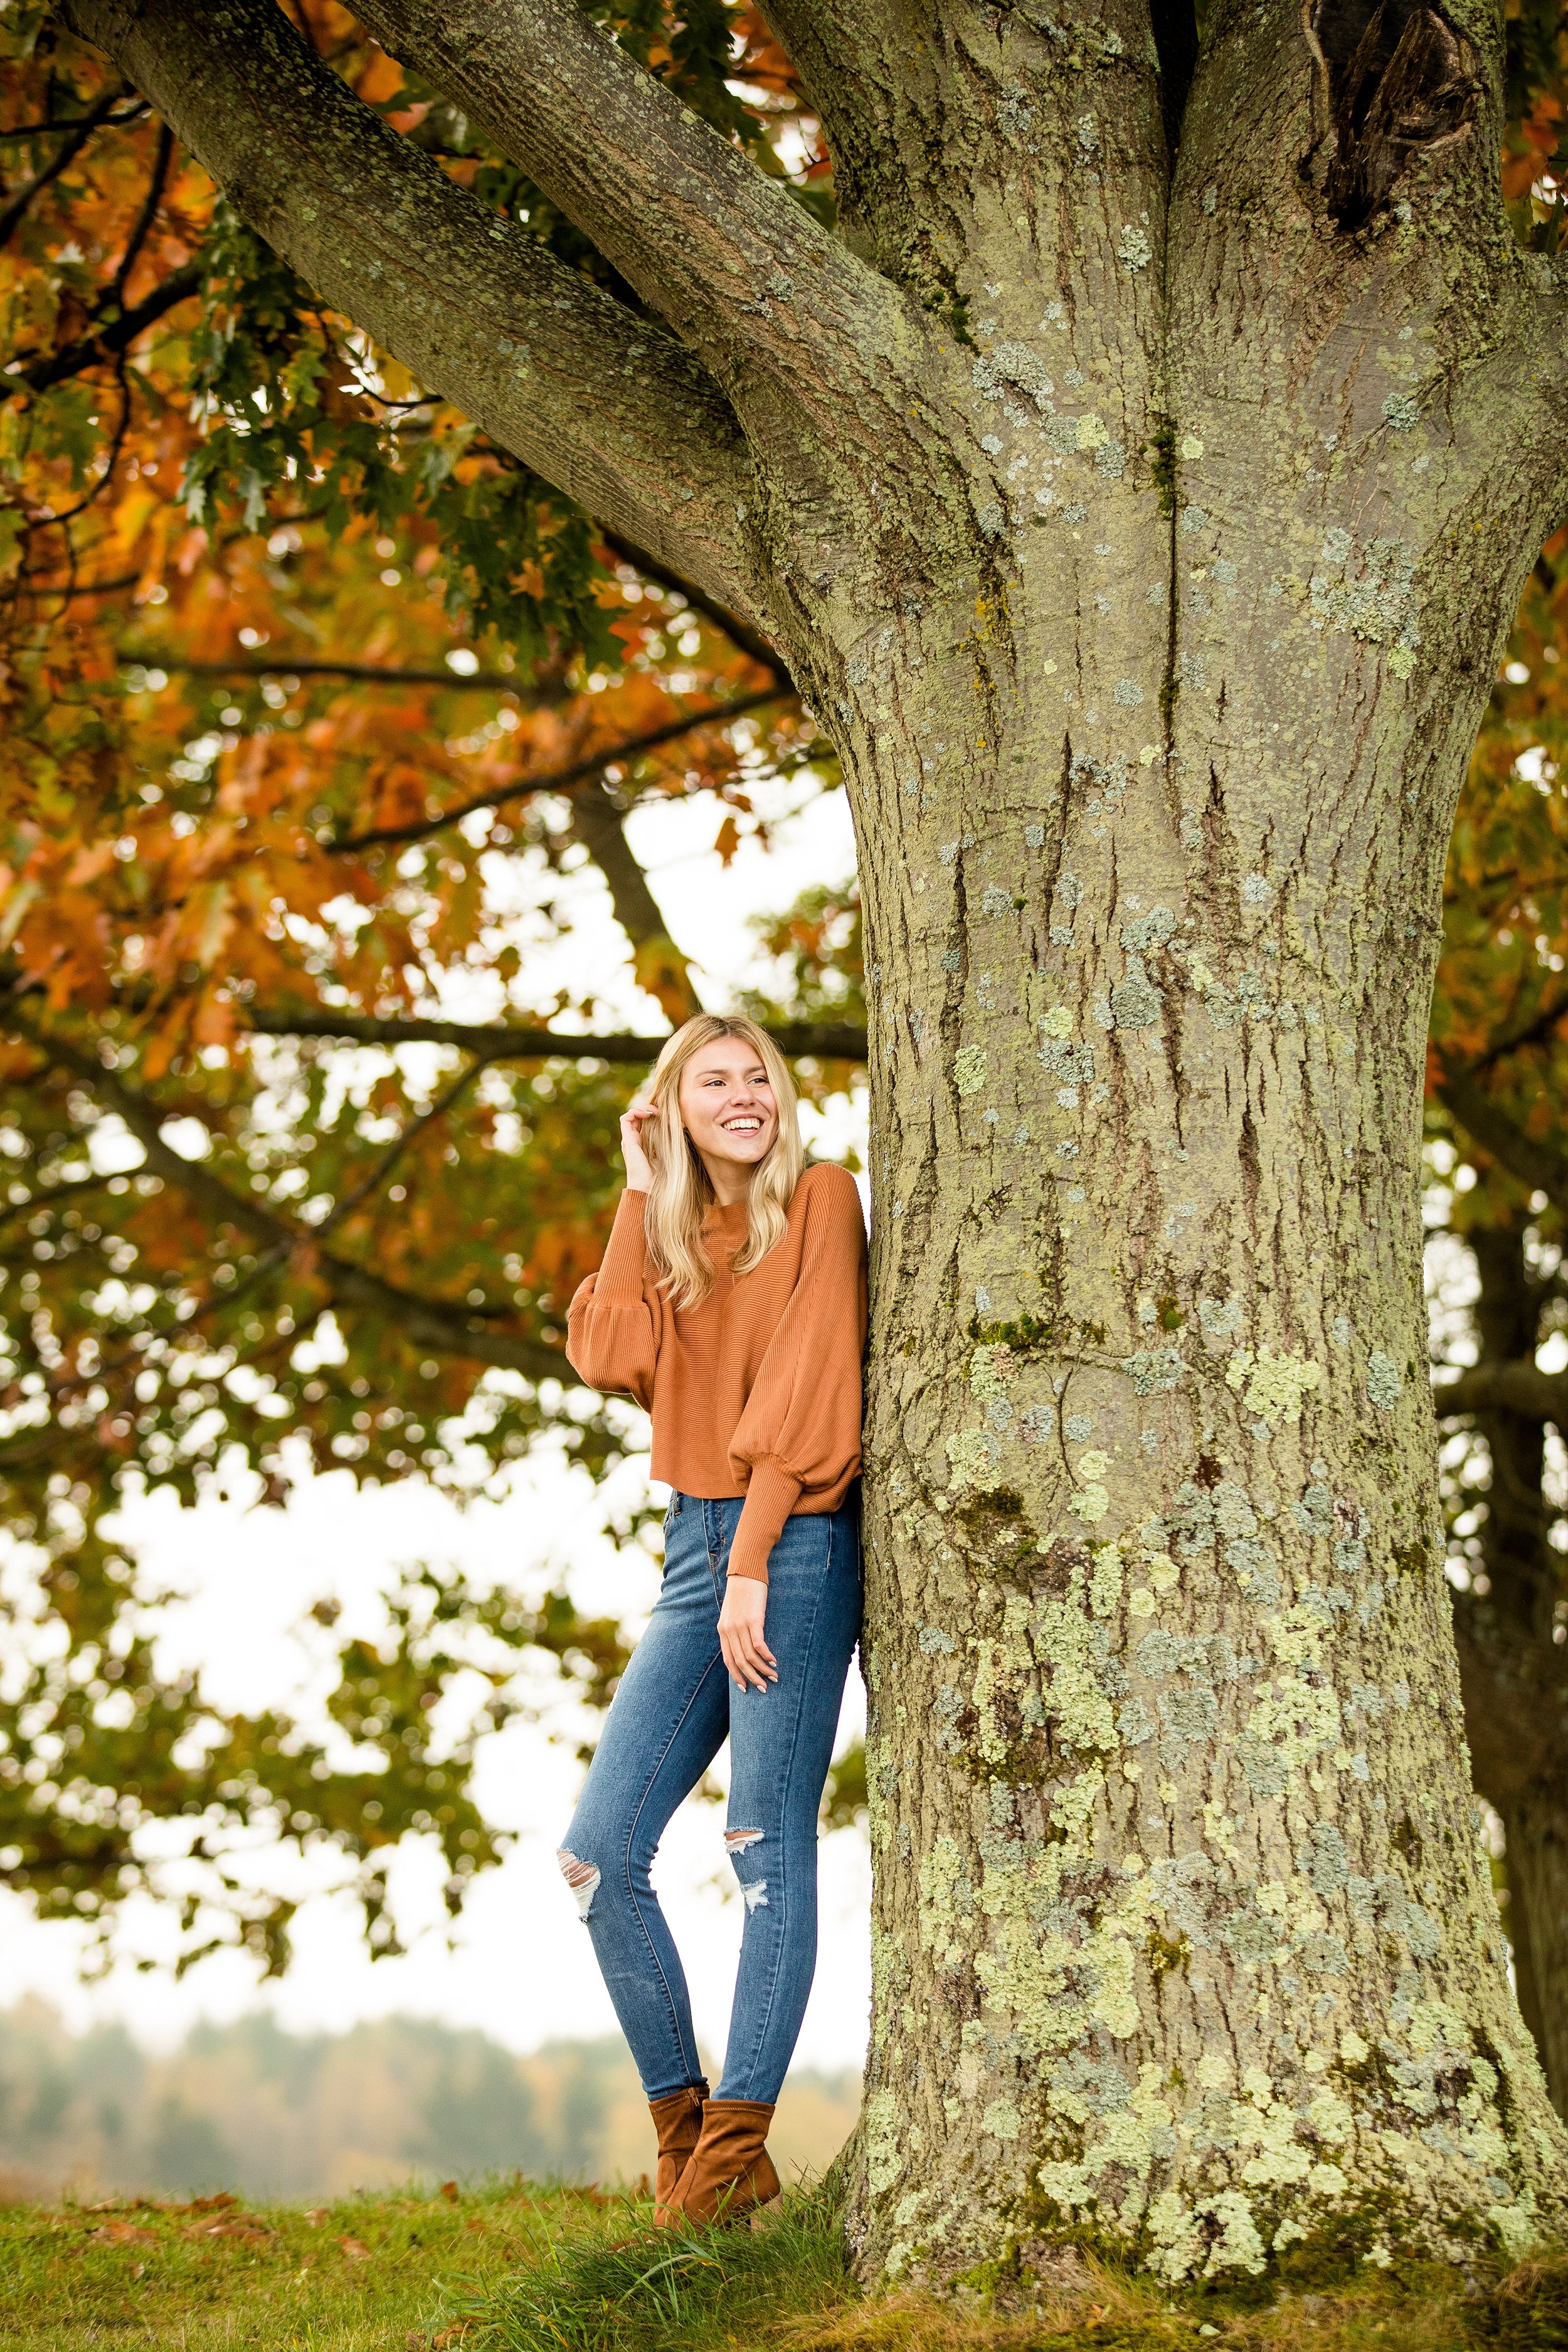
<point>521,1967</point>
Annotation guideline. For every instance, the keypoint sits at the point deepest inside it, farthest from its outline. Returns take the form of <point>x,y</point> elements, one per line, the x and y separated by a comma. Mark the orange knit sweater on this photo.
<point>756,1391</point>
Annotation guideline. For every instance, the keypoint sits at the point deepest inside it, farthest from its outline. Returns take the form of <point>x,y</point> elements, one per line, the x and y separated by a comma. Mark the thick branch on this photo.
<point>603,404</point>
<point>743,275</point>
<point>1520,1388</point>
<point>818,1040</point>
<point>426,1322</point>
<point>556,780</point>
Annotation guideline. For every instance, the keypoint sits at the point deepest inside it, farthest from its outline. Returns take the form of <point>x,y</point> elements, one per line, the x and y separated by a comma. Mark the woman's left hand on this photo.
<point>741,1623</point>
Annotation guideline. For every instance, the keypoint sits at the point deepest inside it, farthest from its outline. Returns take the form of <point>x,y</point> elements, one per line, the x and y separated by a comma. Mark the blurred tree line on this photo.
<point>399,2100</point>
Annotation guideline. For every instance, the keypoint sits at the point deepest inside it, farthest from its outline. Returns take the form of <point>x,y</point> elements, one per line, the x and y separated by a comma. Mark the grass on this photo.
<point>362,2275</point>
<point>520,2268</point>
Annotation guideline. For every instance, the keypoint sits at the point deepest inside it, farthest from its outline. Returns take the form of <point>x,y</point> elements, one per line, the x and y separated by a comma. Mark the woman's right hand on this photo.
<point>639,1175</point>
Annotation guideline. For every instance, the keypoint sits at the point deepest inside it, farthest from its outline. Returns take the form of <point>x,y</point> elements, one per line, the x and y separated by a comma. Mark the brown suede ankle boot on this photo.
<point>677,2120</point>
<point>730,2173</point>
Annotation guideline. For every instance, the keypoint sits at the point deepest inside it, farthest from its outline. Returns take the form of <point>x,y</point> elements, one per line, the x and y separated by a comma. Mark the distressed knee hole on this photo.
<point>755,1891</point>
<point>580,1877</point>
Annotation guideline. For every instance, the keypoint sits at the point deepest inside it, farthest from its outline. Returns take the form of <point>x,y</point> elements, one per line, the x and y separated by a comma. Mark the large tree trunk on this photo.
<point>1512,1667</point>
<point>1146,535</point>
<point>1181,1924</point>
<point>1182,1931</point>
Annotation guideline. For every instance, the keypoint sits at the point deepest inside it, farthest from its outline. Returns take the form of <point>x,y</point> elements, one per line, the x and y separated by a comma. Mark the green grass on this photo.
<point>361,2276</point>
<point>520,2268</point>
<point>619,2285</point>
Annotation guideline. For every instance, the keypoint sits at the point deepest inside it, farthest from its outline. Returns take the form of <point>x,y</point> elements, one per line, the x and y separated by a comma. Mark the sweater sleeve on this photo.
<point>610,1337</point>
<point>799,1432</point>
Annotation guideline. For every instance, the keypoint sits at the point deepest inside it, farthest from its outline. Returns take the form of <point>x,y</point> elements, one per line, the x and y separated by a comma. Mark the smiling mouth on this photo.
<point>741,1125</point>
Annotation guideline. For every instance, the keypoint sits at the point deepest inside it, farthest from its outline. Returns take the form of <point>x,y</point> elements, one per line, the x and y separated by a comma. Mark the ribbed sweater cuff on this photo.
<point>772,1494</point>
<point>620,1275</point>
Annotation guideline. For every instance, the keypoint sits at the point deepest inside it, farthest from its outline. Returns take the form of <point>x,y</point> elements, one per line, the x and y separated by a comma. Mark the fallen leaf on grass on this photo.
<point>121,2233</point>
<point>450,2190</point>
<point>317,2214</point>
<point>355,2249</point>
<point>253,2233</point>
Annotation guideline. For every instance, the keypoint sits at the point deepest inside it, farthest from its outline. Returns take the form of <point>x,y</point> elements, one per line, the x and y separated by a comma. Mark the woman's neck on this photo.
<point>731,1179</point>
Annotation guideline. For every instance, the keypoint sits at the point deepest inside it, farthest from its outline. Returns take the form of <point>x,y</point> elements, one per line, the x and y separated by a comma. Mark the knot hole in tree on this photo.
<point>1401,82</point>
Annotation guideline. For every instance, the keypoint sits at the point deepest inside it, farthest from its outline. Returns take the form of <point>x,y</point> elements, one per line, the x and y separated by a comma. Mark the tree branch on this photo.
<point>660,966</point>
<point>598,400</point>
<point>88,588</point>
<point>558,780</point>
<point>750,641</point>
<point>69,148</point>
<point>108,342</point>
<point>377,1175</point>
<point>486,681</point>
<point>746,276</point>
<point>819,1041</point>
<point>142,226</point>
<point>1532,1029</point>
<point>434,1323</point>
<point>1540,1165</point>
<point>1520,1388</point>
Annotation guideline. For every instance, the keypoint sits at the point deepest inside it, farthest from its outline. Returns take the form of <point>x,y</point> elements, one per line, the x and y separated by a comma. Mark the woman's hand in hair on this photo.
<point>639,1175</point>
<point>741,1620</point>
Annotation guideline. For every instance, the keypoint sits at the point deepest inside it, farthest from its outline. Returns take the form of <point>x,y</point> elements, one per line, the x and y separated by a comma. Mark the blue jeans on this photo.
<point>671,1714</point>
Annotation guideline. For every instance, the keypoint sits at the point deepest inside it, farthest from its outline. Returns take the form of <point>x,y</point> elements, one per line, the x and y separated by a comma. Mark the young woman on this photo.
<point>732,1304</point>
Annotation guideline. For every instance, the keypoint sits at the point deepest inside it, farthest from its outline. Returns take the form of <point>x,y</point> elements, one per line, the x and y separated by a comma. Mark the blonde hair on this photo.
<point>682,1192</point>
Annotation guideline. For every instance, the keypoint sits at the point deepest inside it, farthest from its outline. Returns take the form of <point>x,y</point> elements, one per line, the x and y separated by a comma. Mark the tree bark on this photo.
<point>1513,1667</point>
<point>1145,534</point>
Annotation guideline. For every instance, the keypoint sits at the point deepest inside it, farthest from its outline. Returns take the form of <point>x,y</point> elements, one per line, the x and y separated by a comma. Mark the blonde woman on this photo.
<point>732,1304</point>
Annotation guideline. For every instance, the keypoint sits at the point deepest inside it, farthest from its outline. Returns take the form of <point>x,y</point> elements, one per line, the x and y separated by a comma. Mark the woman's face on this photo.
<point>727,1103</point>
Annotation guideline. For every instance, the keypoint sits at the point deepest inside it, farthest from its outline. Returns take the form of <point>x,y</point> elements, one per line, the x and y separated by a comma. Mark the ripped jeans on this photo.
<point>675,1707</point>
